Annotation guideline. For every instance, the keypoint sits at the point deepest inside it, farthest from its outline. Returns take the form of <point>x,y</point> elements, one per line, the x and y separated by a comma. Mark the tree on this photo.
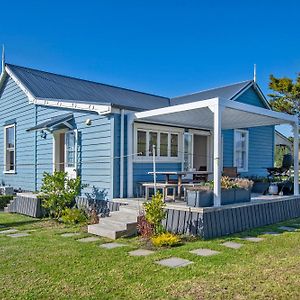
<point>286,96</point>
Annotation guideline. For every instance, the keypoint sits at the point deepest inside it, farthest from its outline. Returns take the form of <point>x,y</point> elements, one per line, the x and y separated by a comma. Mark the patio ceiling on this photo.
<point>200,115</point>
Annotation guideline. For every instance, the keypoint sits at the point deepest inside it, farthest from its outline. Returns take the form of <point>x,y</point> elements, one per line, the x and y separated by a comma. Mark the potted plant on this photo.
<point>232,191</point>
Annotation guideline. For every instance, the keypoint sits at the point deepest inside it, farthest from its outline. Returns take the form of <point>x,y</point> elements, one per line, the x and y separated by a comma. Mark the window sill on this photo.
<point>9,172</point>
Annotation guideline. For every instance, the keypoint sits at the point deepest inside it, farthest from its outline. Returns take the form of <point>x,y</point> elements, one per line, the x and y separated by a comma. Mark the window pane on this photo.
<point>241,149</point>
<point>70,149</point>
<point>187,164</point>
<point>10,137</point>
<point>152,141</point>
<point>174,145</point>
<point>163,144</point>
<point>141,143</point>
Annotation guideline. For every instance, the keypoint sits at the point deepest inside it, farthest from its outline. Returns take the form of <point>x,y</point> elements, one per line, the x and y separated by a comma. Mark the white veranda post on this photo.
<point>296,158</point>
<point>217,111</point>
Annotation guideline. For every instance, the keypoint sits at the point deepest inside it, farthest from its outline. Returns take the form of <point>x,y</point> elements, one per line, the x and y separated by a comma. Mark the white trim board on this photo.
<point>100,109</point>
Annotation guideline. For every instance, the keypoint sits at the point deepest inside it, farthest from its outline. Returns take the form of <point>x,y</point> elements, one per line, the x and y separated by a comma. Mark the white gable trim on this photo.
<point>100,109</point>
<point>257,89</point>
<point>20,84</point>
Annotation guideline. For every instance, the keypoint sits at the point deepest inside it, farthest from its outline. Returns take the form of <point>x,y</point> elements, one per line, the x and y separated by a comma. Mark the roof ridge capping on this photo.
<point>215,88</point>
<point>85,80</point>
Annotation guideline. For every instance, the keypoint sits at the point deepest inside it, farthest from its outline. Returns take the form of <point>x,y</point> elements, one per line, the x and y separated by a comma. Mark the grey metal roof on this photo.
<point>52,122</point>
<point>47,85</point>
<point>226,92</point>
<point>53,86</point>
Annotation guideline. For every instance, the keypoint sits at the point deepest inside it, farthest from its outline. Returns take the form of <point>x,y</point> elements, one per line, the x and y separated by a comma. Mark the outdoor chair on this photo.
<point>287,162</point>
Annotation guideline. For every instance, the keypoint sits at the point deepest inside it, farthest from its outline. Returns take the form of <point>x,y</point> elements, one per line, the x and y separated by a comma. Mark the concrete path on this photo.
<point>204,252</point>
<point>69,234</point>
<point>140,252</point>
<point>174,262</point>
<point>253,239</point>
<point>112,245</point>
<point>232,245</point>
<point>88,239</point>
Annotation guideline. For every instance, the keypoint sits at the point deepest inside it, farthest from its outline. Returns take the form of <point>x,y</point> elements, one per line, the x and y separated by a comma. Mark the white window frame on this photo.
<point>158,129</point>
<point>4,134</point>
<point>245,169</point>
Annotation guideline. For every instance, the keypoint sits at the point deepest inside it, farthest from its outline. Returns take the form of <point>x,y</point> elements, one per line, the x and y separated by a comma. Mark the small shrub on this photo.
<point>145,229</point>
<point>155,213</point>
<point>166,240</point>
<point>4,200</point>
<point>73,216</point>
<point>59,192</point>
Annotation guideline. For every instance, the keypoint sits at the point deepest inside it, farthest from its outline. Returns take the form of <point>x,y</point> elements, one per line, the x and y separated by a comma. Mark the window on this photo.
<point>164,139</point>
<point>174,145</point>
<point>167,144</point>
<point>9,151</point>
<point>152,142</point>
<point>241,138</point>
<point>70,149</point>
<point>141,143</point>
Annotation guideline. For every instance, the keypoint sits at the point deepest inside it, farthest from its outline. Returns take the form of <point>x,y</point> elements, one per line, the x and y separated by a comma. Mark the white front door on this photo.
<point>71,153</point>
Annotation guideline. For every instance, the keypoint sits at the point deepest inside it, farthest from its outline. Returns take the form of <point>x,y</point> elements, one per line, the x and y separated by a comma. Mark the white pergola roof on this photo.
<point>200,114</point>
<point>216,114</point>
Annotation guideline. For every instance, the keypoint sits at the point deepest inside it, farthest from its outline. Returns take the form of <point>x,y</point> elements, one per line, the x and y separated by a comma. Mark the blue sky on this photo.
<point>163,47</point>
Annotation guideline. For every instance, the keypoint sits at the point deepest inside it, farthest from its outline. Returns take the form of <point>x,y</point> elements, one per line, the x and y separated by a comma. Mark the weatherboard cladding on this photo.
<point>14,106</point>
<point>52,86</point>
<point>94,149</point>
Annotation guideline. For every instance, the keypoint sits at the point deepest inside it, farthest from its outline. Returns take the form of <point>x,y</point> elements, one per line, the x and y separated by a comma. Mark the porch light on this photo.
<point>43,134</point>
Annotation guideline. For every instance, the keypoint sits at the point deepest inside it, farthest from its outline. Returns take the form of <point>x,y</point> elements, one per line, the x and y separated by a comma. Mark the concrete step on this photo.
<point>6,209</point>
<point>129,210</point>
<point>111,231</point>
<point>118,224</point>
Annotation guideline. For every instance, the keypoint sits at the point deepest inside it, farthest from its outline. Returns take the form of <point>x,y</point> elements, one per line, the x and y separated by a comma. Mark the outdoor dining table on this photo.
<point>179,175</point>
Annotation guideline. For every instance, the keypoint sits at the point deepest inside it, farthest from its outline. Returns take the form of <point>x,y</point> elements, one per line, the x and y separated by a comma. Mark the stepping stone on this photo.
<point>232,245</point>
<point>271,233</point>
<point>253,239</point>
<point>174,262</point>
<point>8,231</point>
<point>204,252</point>
<point>88,239</point>
<point>69,234</point>
<point>141,252</point>
<point>112,245</point>
<point>17,235</point>
<point>287,228</point>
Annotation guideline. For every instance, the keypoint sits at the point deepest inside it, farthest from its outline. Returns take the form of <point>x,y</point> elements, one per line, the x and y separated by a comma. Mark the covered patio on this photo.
<point>215,115</point>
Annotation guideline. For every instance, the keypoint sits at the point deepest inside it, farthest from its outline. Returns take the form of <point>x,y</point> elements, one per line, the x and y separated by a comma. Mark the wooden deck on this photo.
<point>210,222</point>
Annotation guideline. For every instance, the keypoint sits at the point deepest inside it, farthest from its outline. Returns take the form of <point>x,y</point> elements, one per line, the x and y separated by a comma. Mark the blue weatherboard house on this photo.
<point>105,133</point>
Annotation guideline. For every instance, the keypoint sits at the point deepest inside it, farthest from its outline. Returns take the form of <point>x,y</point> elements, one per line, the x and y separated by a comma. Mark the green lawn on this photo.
<point>48,266</point>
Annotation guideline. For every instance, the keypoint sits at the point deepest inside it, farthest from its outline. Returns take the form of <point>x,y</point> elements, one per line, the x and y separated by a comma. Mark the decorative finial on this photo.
<point>3,59</point>
<point>254,73</point>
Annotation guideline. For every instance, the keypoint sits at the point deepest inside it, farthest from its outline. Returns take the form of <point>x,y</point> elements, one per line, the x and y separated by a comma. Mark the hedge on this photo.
<point>4,200</point>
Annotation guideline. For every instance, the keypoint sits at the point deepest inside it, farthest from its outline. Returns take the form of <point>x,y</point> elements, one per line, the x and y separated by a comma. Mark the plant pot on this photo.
<point>260,187</point>
<point>227,196</point>
<point>200,198</point>
<point>242,195</point>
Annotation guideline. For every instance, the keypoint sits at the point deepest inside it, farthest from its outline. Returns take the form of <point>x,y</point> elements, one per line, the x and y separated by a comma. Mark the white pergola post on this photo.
<point>130,122</point>
<point>296,158</point>
<point>217,110</point>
